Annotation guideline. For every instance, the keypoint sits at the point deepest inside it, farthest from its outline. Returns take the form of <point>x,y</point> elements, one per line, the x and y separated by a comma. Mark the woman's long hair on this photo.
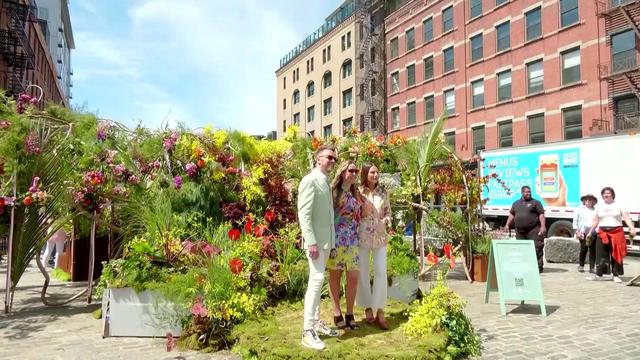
<point>336,184</point>
<point>364,182</point>
<point>364,177</point>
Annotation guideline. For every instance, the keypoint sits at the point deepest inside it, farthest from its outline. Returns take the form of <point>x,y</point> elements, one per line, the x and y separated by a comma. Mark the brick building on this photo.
<point>508,72</point>
<point>25,58</point>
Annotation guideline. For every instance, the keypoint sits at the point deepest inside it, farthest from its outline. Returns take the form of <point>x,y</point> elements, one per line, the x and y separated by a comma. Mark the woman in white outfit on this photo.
<point>372,234</point>
<point>56,241</point>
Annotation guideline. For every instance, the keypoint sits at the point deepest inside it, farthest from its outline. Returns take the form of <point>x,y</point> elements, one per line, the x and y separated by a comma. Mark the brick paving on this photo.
<point>587,320</point>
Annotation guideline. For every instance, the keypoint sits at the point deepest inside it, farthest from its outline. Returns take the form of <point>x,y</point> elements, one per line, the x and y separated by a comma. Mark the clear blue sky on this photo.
<point>200,62</point>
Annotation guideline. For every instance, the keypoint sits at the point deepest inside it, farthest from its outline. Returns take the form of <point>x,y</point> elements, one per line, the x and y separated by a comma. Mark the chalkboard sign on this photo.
<point>516,267</point>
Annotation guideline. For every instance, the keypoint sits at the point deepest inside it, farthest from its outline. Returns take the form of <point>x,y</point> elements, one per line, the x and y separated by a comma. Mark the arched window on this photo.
<point>326,79</point>
<point>296,96</point>
<point>311,88</point>
<point>346,68</point>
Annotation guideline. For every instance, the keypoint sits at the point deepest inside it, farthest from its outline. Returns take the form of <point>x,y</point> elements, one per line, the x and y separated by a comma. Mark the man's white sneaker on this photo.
<point>595,278</point>
<point>323,329</point>
<point>311,340</point>
<point>617,280</point>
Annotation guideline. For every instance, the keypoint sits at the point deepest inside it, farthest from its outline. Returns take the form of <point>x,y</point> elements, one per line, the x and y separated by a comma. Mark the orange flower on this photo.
<point>200,163</point>
<point>432,259</point>
<point>236,265</point>
<point>198,152</point>
<point>27,201</point>
<point>316,143</point>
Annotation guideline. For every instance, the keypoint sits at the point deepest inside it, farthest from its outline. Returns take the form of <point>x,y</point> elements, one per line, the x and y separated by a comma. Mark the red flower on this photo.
<point>248,225</point>
<point>448,250</point>
<point>27,201</point>
<point>2,201</point>
<point>234,234</point>
<point>200,163</point>
<point>259,230</point>
<point>269,216</point>
<point>235,265</point>
<point>432,259</point>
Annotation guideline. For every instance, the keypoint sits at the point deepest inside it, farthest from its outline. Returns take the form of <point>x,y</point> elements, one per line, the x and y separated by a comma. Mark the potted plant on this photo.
<point>481,246</point>
<point>402,270</point>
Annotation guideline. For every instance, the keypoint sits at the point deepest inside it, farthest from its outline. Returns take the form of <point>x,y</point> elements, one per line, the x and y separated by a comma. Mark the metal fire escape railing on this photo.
<point>14,44</point>
<point>368,29</point>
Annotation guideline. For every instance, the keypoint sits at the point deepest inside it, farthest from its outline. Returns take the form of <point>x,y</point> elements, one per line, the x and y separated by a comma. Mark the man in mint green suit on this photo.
<point>315,214</point>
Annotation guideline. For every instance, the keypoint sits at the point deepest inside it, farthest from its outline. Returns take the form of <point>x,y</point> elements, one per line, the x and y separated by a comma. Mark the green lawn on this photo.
<point>277,335</point>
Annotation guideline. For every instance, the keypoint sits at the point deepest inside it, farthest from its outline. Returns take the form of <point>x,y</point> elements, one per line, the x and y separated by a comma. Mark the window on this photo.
<point>534,24</point>
<point>346,98</point>
<point>347,124</point>
<point>326,131</point>
<point>346,69</point>
<point>476,48</point>
<point>477,94</point>
<point>296,97</point>
<point>428,68</point>
<point>411,113</point>
<point>572,119</point>
<point>362,90</point>
<point>623,51</point>
<point>346,41</point>
<point>311,113</point>
<point>410,39</point>
<point>536,128</point>
<point>372,54</point>
<point>284,103</point>
<point>312,64</point>
<point>373,87</point>
<point>448,59</point>
<point>395,82</point>
<point>394,48</point>
<point>284,125</point>
<point>326,79</point>
<point>361,61</point>
<point>429,108</point>
<point>395,118</point>
<point>450,101</point>
<point>296,119</point>
<point>307,66</point>
<point>427,30</point>
<point>329,53</point>
<point>626,114</point>
<point>476,8</point>
<point>284,82</point>
<point>503,36</point>
<point>447,19</point>
<point>505,133</point>
<point>478,139</point>
<point>411,75</point>
<point>568,12</point>
<point>570,66</point>
<point>500,2</point>
<point>535,77</point>
<point>504,85</point>
<point>450,138</point>
<point>311,89</point>
<point>349,40</point>
<point>324,56</point>
<point>327,107</point>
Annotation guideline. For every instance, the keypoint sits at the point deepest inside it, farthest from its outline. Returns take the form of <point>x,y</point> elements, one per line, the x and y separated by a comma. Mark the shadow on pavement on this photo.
<point>532,309</point>
<point>548,269</point>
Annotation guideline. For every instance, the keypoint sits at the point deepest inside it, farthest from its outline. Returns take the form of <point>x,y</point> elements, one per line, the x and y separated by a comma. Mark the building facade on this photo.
<point>620,66</point>
<point>55,21</point>
<point>25,57</point>
<point>334,79</point>
<point>505,72</point>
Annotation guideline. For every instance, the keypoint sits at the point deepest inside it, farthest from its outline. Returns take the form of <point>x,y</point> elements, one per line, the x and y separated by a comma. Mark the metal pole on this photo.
<point>7,295</point>
<point>92,245</point>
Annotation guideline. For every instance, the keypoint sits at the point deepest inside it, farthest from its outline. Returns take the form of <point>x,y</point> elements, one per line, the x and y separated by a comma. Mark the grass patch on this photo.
<point>277,335</point>
<point>61,275</point>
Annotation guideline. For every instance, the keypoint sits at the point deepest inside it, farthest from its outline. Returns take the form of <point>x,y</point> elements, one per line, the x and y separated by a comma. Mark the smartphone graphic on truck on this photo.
<point>549,172</point>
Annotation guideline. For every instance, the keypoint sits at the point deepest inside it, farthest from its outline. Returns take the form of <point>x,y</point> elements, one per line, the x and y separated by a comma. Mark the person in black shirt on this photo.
<point>528,215</point>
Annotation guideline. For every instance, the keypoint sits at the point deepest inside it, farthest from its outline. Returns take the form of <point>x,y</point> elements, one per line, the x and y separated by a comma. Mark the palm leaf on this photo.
<point>431,148</point>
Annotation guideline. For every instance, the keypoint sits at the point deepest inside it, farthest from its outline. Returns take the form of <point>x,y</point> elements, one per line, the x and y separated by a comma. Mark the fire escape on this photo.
<point>15,48</point>
<point>372,119</point>
<point>622,72</point>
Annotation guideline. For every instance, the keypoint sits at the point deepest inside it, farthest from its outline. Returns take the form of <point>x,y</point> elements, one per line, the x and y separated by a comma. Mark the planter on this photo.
<point>403,288</point>
<point>480,267</point>
<point>145,314</point>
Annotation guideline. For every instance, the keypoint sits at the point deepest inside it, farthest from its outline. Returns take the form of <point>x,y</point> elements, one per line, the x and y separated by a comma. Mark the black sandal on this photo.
<point>351,322</point>
<point>339,322</point>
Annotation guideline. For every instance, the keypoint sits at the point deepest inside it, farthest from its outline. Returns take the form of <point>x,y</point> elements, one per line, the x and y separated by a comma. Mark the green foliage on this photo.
<point>443,310</point>
<point>61,275</point>
<point>401,260</point>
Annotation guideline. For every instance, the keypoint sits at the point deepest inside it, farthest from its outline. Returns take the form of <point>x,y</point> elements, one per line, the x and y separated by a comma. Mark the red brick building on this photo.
<point>509,72</point>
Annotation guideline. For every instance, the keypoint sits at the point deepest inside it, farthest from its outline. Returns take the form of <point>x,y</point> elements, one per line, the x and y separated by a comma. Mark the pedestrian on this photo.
<point>372,237</point>
<point>344,258</point>
<point>581,224</point>
<point>315,214</point>
<point>527,214</point>
<point>611,244</point>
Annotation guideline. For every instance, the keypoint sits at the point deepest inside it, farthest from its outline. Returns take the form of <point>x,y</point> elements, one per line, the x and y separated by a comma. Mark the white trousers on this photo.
<point>55,241</point>
<point>375,298</point>
<point>314,288</point>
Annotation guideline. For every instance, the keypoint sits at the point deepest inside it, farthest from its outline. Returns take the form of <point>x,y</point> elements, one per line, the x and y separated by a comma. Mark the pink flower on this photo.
<point>198,308</point>
<point>34,185</point>
<point>170,142</point>
<point>31,144</point>
<point>188,246</point>
<point>119,169</point>
<point>208,250</point>
<point>177,182</point>
<point>192,170</point>
<point>133,180</point>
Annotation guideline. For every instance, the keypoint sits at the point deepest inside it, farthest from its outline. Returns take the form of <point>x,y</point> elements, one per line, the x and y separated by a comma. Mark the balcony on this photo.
<point>621,63</point>
<point>607,7</point>
<point>628,122</point>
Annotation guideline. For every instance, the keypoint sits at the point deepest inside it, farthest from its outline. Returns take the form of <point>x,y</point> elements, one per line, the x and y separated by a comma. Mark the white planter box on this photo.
<point>145,314</point>
<point>403,288</point>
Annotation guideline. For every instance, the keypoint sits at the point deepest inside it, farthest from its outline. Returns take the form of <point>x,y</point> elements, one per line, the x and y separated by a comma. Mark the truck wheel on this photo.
<point>562,228</point>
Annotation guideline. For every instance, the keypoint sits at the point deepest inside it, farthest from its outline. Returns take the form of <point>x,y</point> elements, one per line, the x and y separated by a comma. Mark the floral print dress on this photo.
<point>347,221</point>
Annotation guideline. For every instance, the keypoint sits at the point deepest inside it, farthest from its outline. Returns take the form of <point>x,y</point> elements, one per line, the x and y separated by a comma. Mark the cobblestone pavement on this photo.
<point>586,320</point>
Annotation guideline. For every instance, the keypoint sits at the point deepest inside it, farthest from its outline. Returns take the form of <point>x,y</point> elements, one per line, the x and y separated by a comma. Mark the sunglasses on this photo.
<point>353,171</point>
<point>330,157</point>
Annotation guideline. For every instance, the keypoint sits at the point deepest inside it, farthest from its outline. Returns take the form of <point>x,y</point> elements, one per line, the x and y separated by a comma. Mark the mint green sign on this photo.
<point>516,268</point>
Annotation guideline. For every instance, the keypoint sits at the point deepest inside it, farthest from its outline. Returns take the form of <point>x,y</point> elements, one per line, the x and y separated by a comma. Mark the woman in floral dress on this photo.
<point>344,258</point>
<point>376,217</point>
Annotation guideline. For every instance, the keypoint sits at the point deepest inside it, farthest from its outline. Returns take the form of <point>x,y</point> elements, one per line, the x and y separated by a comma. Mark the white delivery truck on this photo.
<point>559,174</point>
